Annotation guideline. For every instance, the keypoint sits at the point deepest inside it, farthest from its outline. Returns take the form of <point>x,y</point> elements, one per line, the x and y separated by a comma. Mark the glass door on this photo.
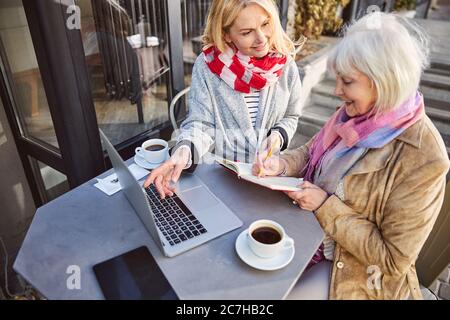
<point>126,52</point>
<point>29,111</point>
<point>68,67</point>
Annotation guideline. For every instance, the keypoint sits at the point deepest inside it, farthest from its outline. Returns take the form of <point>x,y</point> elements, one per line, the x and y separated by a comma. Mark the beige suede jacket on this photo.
<point>382,213</point>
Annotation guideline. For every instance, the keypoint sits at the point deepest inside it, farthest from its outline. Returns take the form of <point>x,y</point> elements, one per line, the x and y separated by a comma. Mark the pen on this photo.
<point>269,154</point>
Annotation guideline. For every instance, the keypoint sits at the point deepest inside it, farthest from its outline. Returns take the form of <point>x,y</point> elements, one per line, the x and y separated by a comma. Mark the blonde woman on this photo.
<point>244,84</point>
<point>375,173</point>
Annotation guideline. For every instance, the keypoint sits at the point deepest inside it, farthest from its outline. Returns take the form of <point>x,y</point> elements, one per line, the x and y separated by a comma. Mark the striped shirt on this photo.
<point>252,101</point>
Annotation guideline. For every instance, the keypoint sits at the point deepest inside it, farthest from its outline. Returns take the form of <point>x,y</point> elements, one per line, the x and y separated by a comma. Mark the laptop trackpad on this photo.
<point>198,198</point>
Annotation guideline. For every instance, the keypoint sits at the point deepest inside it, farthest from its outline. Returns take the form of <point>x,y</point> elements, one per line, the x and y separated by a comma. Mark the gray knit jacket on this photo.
<point>219,122</point>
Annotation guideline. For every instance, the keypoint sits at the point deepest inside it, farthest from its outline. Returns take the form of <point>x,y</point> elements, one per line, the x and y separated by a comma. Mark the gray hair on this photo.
<point>392,51</point>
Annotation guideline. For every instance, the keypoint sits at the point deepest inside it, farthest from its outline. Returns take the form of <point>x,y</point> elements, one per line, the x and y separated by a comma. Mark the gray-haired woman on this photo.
<point>375,173</point>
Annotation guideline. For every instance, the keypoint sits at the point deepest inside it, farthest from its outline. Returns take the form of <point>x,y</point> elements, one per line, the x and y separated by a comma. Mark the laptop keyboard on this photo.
<point>173,218</point>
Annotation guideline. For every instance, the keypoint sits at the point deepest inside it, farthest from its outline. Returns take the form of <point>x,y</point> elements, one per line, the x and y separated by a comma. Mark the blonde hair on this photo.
<point>391,51</point>
<point>223,13</point>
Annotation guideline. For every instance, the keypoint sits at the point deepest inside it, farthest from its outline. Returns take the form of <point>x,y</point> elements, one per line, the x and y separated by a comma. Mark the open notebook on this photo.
<point>244,171</point>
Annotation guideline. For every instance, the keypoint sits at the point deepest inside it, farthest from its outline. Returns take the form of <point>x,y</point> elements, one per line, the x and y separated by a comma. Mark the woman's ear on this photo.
<point>373,87</point>
<point>226,37</point>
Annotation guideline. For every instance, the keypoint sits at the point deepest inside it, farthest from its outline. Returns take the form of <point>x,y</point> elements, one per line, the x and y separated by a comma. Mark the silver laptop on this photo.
<point>188,219</point>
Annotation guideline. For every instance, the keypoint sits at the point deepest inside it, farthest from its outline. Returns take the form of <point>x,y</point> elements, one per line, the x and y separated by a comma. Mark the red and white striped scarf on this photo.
<point>244,73</point>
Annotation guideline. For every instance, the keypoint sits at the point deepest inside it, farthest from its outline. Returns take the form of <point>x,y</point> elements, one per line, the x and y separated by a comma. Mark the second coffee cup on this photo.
<point>153,150</point>
<point>266,238</point>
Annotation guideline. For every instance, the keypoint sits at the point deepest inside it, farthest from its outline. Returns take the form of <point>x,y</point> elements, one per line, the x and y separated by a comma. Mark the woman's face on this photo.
<point>357,91</point>
<point>251,31</point>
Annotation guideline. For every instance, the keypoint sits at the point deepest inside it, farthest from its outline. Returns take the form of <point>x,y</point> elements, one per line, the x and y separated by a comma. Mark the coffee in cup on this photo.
<point>267,238</point>
<point>153,150</point>
<point>154,147</point>
<point>266,235</point>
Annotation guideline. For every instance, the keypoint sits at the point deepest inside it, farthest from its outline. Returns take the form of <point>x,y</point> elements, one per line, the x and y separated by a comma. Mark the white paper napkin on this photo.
<point>135,40</point>
<point>111,184</point>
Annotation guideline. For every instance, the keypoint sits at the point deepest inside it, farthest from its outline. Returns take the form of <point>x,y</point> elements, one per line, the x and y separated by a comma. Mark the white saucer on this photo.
<point>141,162</point>
<point>247,255</point>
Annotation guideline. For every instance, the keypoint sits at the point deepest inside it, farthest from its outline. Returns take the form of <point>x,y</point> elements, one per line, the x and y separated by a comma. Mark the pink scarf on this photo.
<point>349,135</point>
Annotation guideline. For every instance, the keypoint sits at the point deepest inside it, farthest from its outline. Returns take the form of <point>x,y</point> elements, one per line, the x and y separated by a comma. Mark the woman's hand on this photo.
<point>169,172</point>
<point>272,145</point>
<point>272,166</point>
<point>265,164</point>
<point>310,198</point>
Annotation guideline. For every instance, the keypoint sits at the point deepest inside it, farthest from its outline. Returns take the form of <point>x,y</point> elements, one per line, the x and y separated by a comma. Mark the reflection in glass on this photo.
<point>194,14</point>
<point>51,183</point>
<point>21,70</point>
<point>125,44</point>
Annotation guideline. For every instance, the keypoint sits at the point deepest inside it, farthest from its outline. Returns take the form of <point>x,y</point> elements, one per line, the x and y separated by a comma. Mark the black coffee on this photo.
<point>266,235</point>
<point>154,147</point>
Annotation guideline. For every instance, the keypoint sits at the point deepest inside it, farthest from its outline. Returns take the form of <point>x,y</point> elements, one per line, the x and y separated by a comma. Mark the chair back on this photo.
<point>435,254</point>
<point>173,104</point>
<point>173,114</point>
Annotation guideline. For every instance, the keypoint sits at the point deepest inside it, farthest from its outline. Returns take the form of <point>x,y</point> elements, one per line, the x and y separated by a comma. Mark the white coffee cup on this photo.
<point>266,238</point>
<point>153,150</point>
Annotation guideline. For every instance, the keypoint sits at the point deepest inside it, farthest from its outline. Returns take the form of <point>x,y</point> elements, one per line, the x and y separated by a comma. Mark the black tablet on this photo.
<point>134,275</point>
